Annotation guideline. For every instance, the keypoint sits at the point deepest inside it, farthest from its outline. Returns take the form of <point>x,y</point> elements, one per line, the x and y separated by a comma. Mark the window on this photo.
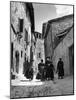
<point>26,36</point>
<point>21,53</point>
<point>12,54</point>
<point>39,55</point>
<point>20,25</point>
<point>39,36</point>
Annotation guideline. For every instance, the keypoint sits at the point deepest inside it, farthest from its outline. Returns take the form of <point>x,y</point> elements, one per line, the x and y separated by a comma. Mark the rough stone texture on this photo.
<point>18,11</point>
<point>62,51</point>
<point>58,87</point>
<point>39,49</point>
<point>48,44</point>
<point>60,25</point>
<point>55,27</point>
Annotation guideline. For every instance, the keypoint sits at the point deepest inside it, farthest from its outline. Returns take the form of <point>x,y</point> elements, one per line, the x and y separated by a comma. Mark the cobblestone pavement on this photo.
<point>49,88</point>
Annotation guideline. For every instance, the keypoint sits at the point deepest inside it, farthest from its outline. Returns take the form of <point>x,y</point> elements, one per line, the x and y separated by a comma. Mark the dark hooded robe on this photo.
<point>49,70</point>
<point>40,74</point>
<point>60,68</point>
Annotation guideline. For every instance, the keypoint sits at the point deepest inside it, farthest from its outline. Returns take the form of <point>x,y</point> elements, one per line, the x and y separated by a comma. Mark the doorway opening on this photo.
<point>17,61</point>
<point>71,59</point>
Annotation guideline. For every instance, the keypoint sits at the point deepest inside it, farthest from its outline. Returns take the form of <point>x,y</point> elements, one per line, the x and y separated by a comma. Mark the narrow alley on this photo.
<point>42,50</point>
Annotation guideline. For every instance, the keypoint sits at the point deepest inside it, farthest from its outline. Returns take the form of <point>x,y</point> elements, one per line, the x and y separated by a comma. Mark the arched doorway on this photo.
<point>17,60</point>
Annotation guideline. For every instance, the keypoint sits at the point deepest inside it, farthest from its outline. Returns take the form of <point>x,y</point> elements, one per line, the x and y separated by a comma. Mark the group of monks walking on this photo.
<point>46,70</point>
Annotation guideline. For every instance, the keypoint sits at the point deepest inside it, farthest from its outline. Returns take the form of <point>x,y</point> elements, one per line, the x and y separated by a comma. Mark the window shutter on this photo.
<point>20,25</point>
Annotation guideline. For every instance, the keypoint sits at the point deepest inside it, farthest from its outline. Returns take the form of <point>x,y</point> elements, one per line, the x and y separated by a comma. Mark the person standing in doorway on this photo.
<point>60,68</point>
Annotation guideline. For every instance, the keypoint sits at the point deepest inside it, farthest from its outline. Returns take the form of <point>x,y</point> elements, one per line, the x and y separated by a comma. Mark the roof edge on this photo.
<point>60,18</point>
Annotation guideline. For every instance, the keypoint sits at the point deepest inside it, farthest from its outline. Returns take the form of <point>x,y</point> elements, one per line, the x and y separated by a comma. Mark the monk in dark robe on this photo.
<point>60,68</point>
<point>49,69</point>
<point>40,74</point>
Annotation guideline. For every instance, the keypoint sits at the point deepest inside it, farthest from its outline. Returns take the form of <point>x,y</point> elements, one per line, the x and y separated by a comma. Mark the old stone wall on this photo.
<point>62,51</point>
<point>39,51</point>
<point>48,45</point>
<point>55,27</point>
<point>61,25</point>
<point>18,12</point>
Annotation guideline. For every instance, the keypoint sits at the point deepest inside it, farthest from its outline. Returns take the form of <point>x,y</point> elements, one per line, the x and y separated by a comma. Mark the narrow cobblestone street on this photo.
<point>42,50</point>
<point>48,88</point>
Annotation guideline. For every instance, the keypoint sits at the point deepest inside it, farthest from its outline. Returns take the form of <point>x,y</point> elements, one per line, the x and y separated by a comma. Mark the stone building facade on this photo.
<point>59,41</point>
<point>39,50</point>
<point>22,29</point>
